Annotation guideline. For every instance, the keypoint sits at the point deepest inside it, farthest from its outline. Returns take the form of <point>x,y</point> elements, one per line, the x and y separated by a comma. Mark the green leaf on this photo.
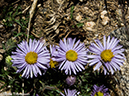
<point>2,75</point>
<point>80,25</point>
<point>72,26</point>
<point>19,34</point>
<point>72,9</point>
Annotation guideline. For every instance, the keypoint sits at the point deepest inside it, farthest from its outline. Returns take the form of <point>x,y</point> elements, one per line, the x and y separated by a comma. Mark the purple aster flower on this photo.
<point>53,53</point>
<point>70,80</point>
<point>31,58</point>
<point>72,57</point>
<point>69,92</point>
<point>109,55</point>
<point>100,91</point>
<point>53,50</point>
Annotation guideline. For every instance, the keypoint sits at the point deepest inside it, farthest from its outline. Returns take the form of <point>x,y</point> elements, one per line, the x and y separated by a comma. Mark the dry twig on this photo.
<point>31,16</point>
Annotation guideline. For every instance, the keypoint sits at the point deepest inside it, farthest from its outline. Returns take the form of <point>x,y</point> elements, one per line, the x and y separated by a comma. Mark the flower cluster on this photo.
<point>34,56</point>
<point>70,56</point>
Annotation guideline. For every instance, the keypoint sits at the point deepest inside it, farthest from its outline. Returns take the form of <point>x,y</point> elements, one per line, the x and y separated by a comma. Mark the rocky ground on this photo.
<point>56,19</point>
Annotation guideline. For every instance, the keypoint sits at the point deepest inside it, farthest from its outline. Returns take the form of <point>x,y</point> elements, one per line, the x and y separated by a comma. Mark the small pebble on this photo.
<point>1,57</point>
<point>2,51</point>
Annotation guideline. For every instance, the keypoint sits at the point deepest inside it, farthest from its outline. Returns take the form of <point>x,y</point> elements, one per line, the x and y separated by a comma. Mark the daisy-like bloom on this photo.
<point>72,57</point>
<point>69,92</point>
<point>109,55</point>
<point>31,58</point>
<point>99,91</point>
<point>53,53</point>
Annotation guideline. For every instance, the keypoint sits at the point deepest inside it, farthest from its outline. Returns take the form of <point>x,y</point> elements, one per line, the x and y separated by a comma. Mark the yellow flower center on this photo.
<point>31,57</point>
<point>107,55</point>
<point>71,55</point>
<point>99,94</point>
<point>53,63</point>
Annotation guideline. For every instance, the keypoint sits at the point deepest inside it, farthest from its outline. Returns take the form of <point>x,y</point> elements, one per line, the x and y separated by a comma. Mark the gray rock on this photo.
<point>122,76</point>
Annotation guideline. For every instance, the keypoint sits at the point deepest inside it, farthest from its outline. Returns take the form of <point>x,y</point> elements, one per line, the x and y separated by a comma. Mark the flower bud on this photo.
<point>70,80</point>
<point>8,60</point>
